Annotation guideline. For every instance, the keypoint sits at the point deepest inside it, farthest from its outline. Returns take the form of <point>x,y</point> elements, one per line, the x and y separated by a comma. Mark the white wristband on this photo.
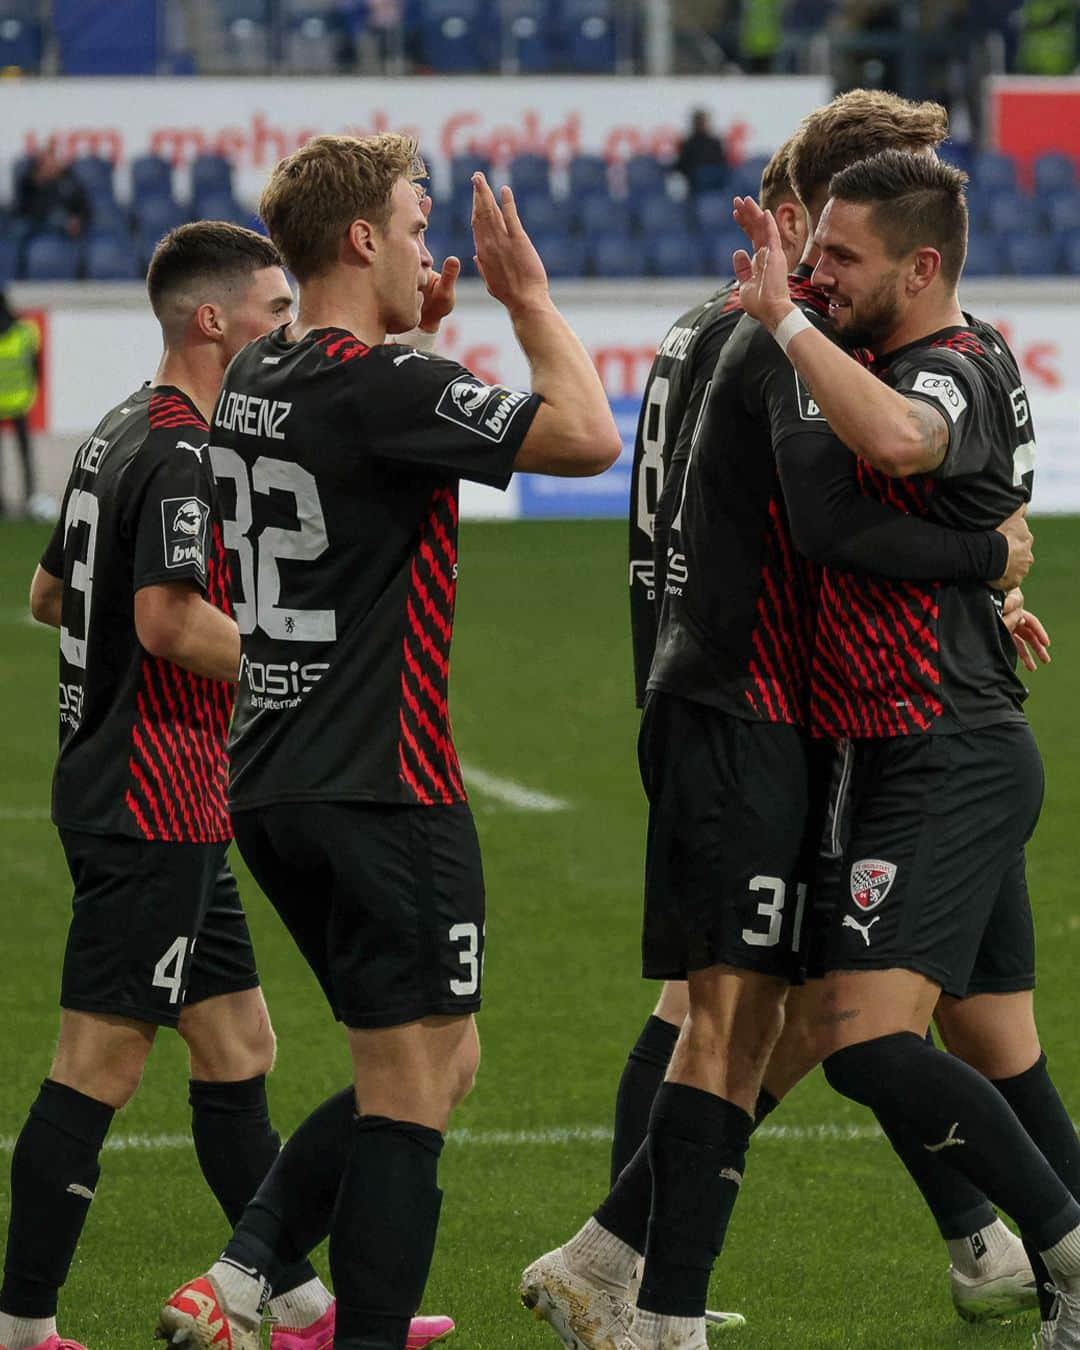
<point>790,325</point>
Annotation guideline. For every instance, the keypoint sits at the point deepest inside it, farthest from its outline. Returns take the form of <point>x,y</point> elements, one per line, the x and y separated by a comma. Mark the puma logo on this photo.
<point>407,356</point>
<point>863,928</point>
<point>950,1140</point>
<point>84,1191</point>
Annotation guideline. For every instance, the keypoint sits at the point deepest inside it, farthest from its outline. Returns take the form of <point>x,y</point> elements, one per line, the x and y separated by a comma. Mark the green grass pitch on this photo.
<point>830,1246</point>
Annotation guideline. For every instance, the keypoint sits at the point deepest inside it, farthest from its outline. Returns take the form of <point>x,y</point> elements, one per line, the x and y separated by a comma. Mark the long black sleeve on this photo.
<point>834,524</point>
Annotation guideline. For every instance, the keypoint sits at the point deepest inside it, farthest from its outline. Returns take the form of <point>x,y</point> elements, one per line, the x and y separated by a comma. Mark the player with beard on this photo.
<point>727,688</point>
<point>916,675</point>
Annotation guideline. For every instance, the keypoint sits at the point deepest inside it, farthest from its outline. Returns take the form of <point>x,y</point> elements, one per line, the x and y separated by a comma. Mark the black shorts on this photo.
<point>154,926</point>
<point>932,878</point>
<point>386,903</point>
<point>731,843</point>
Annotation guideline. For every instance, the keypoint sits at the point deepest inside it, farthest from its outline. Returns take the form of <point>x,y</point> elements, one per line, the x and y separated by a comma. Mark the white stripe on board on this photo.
<point>557,1136</point>
<point>510,793</point>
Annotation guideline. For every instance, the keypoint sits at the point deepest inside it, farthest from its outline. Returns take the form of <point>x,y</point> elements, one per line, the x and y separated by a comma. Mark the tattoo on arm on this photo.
<point>933,432</point>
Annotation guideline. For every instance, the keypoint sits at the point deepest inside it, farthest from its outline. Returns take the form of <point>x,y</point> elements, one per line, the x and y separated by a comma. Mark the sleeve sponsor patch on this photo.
<point>486,409</point>
<point>943,388</point>
<point>184,522</point>
<point>808,408</point>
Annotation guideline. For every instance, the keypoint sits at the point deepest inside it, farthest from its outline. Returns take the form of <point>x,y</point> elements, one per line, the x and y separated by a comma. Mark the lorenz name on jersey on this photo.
<point>252,416</point>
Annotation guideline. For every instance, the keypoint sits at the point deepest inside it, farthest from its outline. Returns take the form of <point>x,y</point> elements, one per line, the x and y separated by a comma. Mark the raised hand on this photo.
<point>508,262</point>
<point>763,278</point>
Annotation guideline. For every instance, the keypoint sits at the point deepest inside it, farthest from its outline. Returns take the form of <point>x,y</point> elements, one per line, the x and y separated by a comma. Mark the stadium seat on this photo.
<point>675,255</point>
<point>743,181</point>
<point>151,176</point>
<point>644,174</point>
<point>157,215</point>
<point>456,36</point>
<point>614,255</point>
<point>51,257</point>
<point>564,256</point>
<point>712,211</point>
<point>247,43</point>
<point>1071,257</point>
<point>527,36</point>
<point>587,175</point>
<point>588,36</point>
<point>210,173</point>
<point>995,172</point>
<point>1063,211</point>
<point>958,154</point>
<point>107,218</point>
<point>110,258</point>
<point>1033,255</point>
<point>598,215</point>
<point>984,257</point>
<point>315,45</point>
<point>1054,173</point>
<point>720,246</point>
<point>530,173</point>
<point>20,43</point>
<point>94,174</point>
<point>658,214</point>
<point>978,205</point>
<point>541,214</point>
<point>462,168</point>
<point>218,206</point>
<point>1011,214</point>
<point>9,261</point>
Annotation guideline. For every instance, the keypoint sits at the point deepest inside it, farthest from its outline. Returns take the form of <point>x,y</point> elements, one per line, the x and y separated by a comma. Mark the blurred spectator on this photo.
<point>20,346</point>
<point>702,158</point>
<point>1047,37</point>
<point>49,196</point>
<point>761,29</point>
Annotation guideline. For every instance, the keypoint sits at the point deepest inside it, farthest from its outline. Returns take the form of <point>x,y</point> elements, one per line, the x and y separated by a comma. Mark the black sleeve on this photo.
<point>833,523</point>
<point>169,514</point>
<point>957,389</point>
<point>433,413</point>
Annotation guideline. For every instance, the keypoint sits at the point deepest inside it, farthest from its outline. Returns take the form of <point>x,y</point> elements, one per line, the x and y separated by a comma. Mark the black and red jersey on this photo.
<point>142,741</point>
<point>338,467</point>
<point>897,658</point>
<point>737,621</point>
<point>674,392</point>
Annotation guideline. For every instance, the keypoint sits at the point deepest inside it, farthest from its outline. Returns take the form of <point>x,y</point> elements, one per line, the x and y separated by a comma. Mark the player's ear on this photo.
<point>793,225</point>
<point>210,323</point>
<point>361,239</point>
<point>925,267</point>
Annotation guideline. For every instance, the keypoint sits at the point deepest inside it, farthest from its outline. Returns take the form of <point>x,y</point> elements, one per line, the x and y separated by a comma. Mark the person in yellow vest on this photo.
<point>20,348</point>
<point>1048,33</point>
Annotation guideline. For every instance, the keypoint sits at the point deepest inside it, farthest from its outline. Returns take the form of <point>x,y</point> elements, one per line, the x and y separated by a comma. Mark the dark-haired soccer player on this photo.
<point>343,456</point>
<point>916,675</point>
<point>135,579</point>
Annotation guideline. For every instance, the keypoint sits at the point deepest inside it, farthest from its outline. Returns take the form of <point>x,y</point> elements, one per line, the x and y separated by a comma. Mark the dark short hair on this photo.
<point>776,184</point>
<point>915,201</point>
<point>206,250</point>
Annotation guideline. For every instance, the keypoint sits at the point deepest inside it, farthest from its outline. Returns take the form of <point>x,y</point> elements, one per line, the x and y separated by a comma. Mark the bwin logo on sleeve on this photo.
<point>808,405</point>
<point>487,409</point>
<point>183,527</point>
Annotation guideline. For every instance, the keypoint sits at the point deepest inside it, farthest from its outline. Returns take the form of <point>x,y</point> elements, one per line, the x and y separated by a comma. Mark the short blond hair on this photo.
<point>776,184</point>
<point>315,194</point>
<point>855,126</point>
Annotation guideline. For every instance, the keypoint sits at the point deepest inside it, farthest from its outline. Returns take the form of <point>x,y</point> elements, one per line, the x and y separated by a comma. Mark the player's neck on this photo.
<point>921,321</point>
<point>196,375</point>
<point>329,302</point>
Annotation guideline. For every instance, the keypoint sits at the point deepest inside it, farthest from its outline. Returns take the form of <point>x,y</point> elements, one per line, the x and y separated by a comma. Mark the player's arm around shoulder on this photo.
<point>174,620</point>
<point>573,433</point>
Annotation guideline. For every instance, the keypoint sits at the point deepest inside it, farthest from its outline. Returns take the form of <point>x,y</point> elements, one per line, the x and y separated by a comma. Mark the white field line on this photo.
<point>556,1136</point>
<point>24,813</point>
<point>509,792</point>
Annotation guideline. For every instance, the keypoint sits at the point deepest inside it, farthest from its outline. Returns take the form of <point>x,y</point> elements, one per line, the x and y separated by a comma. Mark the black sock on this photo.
<point>697,1149</point>
<point>383,1234</point>
<point>291,1211</point>
<point>625,1210</point>
<point>958,1207</point>
<point>766,1104</point>
<point>54,1172</point>
<point>645,1068</point>
<point>1034,1098</point>
<point>236,1146</point>
<point>956,1114</point>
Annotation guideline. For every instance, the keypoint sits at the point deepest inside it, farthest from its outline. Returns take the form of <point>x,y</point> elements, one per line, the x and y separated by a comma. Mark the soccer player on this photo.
<point>934,712</point>
<point>729,798</point>
<point>343,457</point>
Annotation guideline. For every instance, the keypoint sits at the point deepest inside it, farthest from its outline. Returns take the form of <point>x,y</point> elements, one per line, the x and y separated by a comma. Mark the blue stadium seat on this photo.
<point>563,255</point>
<point>587,175</point>
<point>218,206</point>
<point>456,35</point>
<point>530,173</point>
<point>978,205</point>
<point>958,154</point>
<point>108,218</point>
<point>658,214</point>
<point>676,255</point>
<point>527,36</point>
<point>1072,255</point>
<point>315,44</point>
<point>210,173</point>
<point>9,261</point>
<point>1063,211</point>
<point>94,174</point>
<point>644,173</point>
<point>1033,255</point>
<point>984,256</point>
<point>743,181</point>
<point>1009,213</point>
<point>157,215</point>
<point>110,258</point>
<point>601,215</point>
<point>720,246</point>
<point>462,168</point>
<point>151,176</point>
<point>994,171</point>
<point>541,214</point>
<point>613,255</point>
<point>712,211</point>
<point>588,36</point>
<point>20,42</point>
<point>51,257</point>
<point>1054,173</point>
